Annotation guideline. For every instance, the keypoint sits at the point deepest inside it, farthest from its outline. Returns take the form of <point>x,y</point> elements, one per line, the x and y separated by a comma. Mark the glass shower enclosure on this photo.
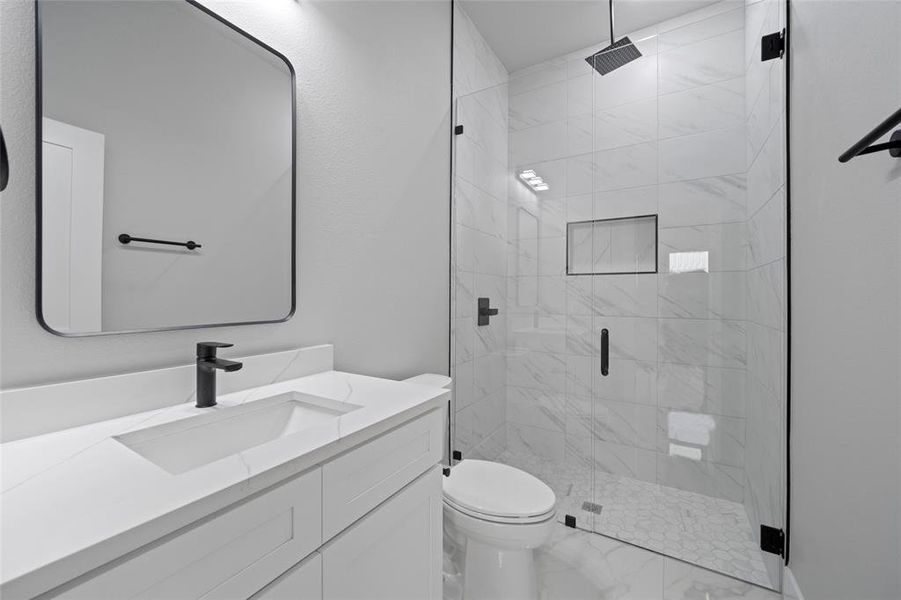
<point>631,230</point>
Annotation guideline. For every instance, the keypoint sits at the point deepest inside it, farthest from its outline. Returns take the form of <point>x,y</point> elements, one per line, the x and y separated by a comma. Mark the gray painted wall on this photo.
<point>373,190</point>
<point>846,77</point>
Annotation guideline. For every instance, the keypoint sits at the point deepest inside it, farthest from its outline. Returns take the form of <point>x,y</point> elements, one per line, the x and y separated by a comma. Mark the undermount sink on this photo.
<point>190,443</point>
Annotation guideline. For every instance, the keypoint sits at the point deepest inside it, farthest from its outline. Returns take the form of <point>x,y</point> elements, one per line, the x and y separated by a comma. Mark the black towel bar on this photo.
<point>863,146</point>
<point>127,239</point>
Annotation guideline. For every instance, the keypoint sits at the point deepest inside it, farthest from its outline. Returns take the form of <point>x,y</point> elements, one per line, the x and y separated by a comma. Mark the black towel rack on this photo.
<point>127,239</point>
<point>863,146</point>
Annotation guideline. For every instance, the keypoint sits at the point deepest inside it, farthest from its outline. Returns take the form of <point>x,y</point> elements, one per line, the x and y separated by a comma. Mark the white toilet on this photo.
<point>496,515</point>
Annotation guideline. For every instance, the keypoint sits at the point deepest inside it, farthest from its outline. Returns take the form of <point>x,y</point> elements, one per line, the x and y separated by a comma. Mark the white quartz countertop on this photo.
<point>75,499</point>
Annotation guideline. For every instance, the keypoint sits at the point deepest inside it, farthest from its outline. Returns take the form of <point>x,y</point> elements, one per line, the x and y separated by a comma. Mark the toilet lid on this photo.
<point>494,489</point>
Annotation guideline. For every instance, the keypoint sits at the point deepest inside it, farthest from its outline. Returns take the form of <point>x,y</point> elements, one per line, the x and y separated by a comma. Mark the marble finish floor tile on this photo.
<point>709,532</point>
<point>579,565</point>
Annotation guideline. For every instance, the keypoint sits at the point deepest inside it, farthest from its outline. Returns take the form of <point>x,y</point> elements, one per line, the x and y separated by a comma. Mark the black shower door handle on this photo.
<point>605,352</point>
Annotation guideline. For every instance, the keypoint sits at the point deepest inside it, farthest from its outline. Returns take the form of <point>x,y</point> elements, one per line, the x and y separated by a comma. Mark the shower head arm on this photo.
<point>611,23</point>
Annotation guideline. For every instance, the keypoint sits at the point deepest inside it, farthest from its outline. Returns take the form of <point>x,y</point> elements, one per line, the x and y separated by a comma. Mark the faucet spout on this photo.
<point>207,365</point>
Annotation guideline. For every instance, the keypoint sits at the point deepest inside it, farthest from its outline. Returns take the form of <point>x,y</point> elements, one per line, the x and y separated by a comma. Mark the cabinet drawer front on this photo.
<point>302,582</point>
<point>394,552</point>
<point>230,556</point>
<point>356,482</point>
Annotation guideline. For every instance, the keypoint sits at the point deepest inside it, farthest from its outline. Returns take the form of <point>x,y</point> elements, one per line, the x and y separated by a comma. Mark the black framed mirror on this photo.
<point>166,170</point>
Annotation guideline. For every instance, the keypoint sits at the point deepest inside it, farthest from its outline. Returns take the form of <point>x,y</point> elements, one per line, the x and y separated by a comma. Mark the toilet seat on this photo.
<point>498,493</point>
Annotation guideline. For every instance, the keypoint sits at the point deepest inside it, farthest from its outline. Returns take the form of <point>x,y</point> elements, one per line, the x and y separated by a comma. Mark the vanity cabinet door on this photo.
<point>393,553</point>
<point>303,581</point>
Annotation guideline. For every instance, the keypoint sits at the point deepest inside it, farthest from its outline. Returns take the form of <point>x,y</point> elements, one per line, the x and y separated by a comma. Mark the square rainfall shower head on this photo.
<point>613,56</point>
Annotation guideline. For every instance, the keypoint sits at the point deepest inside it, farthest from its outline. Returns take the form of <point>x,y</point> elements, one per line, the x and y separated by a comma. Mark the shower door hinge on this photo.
<point>772,540</point>
<point>772,46</point>
<point>457,455</point>
<point>569,521</point>
<point>458,130</point>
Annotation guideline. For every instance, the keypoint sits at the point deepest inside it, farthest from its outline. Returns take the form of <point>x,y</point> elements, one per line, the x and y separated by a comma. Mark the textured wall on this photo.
<point>846,326</point>
<point>373,84</point>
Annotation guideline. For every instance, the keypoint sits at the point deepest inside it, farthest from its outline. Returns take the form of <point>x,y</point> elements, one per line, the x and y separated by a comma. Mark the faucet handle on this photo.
<point>208,349</point>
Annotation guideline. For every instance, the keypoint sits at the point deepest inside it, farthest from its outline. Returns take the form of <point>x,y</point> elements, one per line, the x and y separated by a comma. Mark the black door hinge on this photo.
<point>569,521</point>
<point>772,46</point>
<point>457,455</point>
<point>772,540</point>
<point>458,130</point>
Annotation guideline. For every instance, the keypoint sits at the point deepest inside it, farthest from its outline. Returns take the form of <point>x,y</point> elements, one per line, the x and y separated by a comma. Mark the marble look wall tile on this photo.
<point>766,295</point>
<point>712,438</point>
<point>723,247</point>
<point>580,134</point>
<point>464,339</point>
<point>622,86</point>
<point>627,202</point>
<point>552,295</point>
<point>579,376</point>
<point>476,67</point>
<point>579,94</point>
<point>690,33</point>
<point>580,337</point>
<point>696,110</point>
<point>489,375</point>
<point>552,257</point>
<point>522,295</point>
<point>712,343</point>
<point>709,390</point>
<point>766,232</point>
<point>707,201</point>
<point>581,256</point>
<point>700,155</point>
<point>625,295</point>
<point>715,59</point>
<point>490,339</point>
<point>540,371</point>
<point>491,286</point>
<point>473,164</point>
<point>485,130</point>
<point>463,376</point>
<point>633,338</point>
<point>711,479</point>
<point>538,106</point>
<point>703,295</point>
<point>536,409</point>
<point>543,333</point>
<point>464,438</point>
<point>629,166</point>
<point>492,447</point>
<point>580,298</point>
<point>464,290</point>
<point>626,381</point>
<point>536,442</point>
<point>478,210</point>
<point>624,125</point>
<point>766,171</point>
<point>489,254</point>
<point>489,413</point>
<point>626,461</point>
<point>766,358</point>
<point>539,143</point>
<point>579,208</point>
<point>537,76</point>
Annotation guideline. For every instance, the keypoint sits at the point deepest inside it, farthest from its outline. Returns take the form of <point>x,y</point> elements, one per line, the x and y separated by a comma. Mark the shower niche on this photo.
<point>619,246</point>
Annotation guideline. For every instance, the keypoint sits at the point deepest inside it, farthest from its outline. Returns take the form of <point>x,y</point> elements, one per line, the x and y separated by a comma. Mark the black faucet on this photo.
<point>207,363</point>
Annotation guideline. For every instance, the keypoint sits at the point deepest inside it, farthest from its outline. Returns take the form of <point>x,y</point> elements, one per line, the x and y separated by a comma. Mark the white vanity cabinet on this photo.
<point>363,524</point>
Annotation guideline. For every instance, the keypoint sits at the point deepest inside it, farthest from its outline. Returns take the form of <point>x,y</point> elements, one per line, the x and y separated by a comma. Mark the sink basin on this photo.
<point>190,443</point>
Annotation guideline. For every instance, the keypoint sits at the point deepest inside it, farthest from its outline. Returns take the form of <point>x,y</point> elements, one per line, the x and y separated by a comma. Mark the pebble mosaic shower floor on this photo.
<point>709,532</point>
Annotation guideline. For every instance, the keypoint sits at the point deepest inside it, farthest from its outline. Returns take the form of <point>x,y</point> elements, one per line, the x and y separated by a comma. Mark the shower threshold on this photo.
<point>709,532</point>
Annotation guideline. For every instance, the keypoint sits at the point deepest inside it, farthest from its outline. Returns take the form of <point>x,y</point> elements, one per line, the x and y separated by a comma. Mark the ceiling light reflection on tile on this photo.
<point>688,262</point>
<point>685,451</point>
<point>531,179</point>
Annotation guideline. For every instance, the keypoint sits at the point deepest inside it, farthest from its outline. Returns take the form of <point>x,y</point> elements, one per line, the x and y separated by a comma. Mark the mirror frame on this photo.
<point>39,173</point>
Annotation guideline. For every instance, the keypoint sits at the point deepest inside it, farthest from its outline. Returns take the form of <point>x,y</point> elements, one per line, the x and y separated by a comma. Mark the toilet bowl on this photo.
<point>497,515</point>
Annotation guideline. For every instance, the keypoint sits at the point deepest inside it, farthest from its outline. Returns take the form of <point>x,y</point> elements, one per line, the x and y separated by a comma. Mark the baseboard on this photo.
<point>790,588</point>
